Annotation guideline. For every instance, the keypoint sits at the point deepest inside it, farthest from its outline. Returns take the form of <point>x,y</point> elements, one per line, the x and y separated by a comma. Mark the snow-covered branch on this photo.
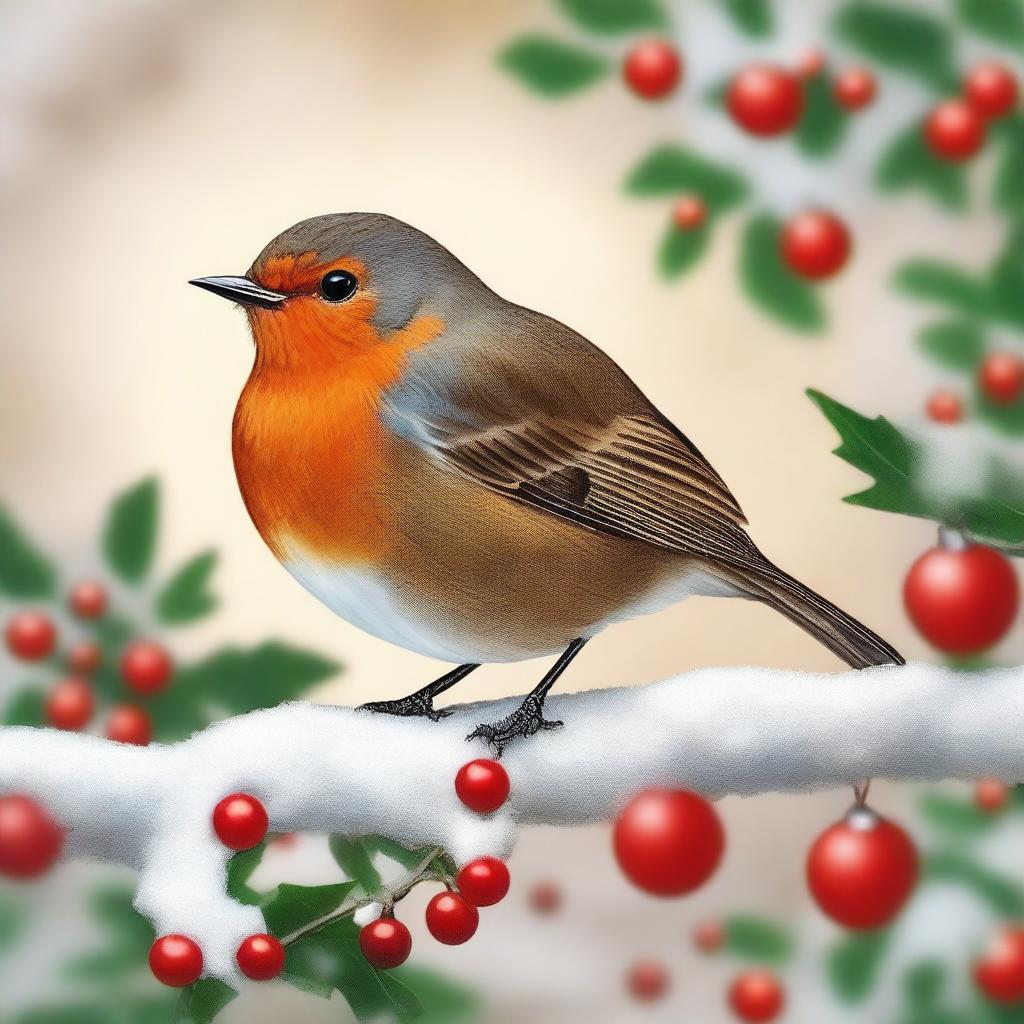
<point>333,769</point>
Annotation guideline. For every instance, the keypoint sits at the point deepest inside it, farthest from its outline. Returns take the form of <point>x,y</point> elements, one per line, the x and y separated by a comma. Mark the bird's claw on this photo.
<point>414,706</point>
<point>527,719</point>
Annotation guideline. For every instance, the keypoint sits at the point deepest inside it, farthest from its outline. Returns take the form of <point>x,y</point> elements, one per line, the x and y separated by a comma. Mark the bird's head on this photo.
<point>334,287</point>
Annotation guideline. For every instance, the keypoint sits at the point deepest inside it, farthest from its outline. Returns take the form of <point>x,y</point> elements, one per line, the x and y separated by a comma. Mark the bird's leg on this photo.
<point>528,718</point>
<point>422,701</point>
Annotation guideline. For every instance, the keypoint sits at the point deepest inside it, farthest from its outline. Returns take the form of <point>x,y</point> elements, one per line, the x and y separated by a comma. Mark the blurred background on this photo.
<point>146,143</point>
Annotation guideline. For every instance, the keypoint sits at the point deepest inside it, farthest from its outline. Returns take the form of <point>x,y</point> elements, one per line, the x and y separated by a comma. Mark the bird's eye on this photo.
<point>338,285</point>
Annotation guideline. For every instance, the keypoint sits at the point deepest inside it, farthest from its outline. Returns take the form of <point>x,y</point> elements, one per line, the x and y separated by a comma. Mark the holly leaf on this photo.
<point>128,938</point>
<point>442,1001</point>
<point>294,906</point>
<point>999,20</point>
<point>956,344</point>
<point>201,1002</point>
<point>757,938</point>
<point>1007,419</point>
<point>185,597</point>
<point>771,284</point>
<point>754,18</point>
<point>240,869</point>
<point>909,163</point>
<point>680,250</point>
<point>26,707</point>
<point>551,68</point>
<point>1008,187</point>
<point>408,859</point>
<point>956,817</point>
<point>902,39</point>
<point>129,535</point>
<point>936,281</point>
<point>852,964</point>
<point>12,920</point>
<point>1006,277</point>
<point>669,170</point>
<point>1004,896</point>
<point>923,983</point>
<point>24,571</point>
<point>613,17</point>
<point>355,858</point>
<point>823,122</point>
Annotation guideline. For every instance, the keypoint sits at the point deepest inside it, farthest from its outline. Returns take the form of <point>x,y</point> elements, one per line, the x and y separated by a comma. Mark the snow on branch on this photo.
<point>333,769</point>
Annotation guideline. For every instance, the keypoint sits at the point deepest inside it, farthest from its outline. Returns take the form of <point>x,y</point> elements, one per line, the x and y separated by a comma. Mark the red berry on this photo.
<point>668,842</point>
<point>30,840</point>
<point>1001,377</point>
<point>385,943</point>
<point>999,971</point>
<point>991,794</point>
<point>689,212</point>
<point>765,100</point>
<point>31,636</point>
<point>484,881</point>
<point>85,657</point>
<point>545,898</point>
<point>88,599</point>
<point>240,821</point>
<point>815,244</point>
<point>129,724</point>
<point>991,89</point>
<point>756,996</point>
<point>653,69</point>
<point>175,960</point>
<point>709,937</point>
<point>945,407</point>
<point>855,88</point>
<point>70,704</point>
<point>862,870</point>
<point>811,63</point>
<point>482,785</point>
<point>146,667</point>
<point>954,130</point>
<point>260,957</point>
<point>451,919</point>
<point>962,600</point>
<point>647,980</point>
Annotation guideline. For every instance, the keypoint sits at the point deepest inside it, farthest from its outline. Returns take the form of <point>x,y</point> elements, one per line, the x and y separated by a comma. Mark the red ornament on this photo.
<point>31,636</point>
<point>962,599</point>
<point>85,657</point>
<point>385,943</point>
<point>811,63</point>
<point>999,972</point>
<point>88,599</point>
<point>765,100</point>
<point>30,840</point>
<point>945,407</point>
<point>709,937</point>
<point>991,794</point>
<point>991,89</point>
<point>861,870</point>
<point>482,785</point>
<point>451,919</point>
<point>647,980</point>
<point>855,88</point>
<point>240,821</point>
<point>756,996</point>
<point>689,212</point>
<point>129,724</point>
<point>1001,377</point>
<point>668,842</point>
<point>653,69</point>
<point>260,957</point>
<point>70,704</point>
<point>146,667</point>
<point>484,881</point>
<point>815,244</point>
<point>545,898</point>
<point>175,960</point>
<point>954,131</point>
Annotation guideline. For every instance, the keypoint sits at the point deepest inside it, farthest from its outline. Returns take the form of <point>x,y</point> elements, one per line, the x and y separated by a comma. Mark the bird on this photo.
<point>469,478</point>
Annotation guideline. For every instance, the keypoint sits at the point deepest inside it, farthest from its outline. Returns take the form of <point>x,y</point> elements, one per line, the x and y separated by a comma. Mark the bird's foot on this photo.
<point>527,719</point>
<point>417,705</point>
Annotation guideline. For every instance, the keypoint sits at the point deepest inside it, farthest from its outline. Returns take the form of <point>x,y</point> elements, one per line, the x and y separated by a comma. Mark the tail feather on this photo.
<point>842,634</point>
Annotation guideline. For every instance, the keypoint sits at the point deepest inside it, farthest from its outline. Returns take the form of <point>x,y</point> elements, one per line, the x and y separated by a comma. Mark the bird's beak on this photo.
<point>241,290</point>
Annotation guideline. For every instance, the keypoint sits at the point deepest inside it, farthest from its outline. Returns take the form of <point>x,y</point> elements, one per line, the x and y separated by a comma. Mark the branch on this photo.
<point>331,769</point>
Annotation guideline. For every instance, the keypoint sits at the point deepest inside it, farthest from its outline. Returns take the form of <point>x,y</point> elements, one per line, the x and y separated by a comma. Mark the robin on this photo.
<point>468,478</point>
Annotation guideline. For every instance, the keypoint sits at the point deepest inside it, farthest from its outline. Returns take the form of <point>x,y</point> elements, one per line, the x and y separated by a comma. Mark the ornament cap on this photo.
<point>861,818</point>
<point>952,538</point>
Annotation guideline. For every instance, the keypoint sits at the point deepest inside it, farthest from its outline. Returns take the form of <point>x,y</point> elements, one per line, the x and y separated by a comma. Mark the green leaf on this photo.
<point>956,817</point>
<point>551,68</point>
<point>923,984</point>
<point>240,870</point>
<point>295,906</point>
<point>128,936</point>
<point>669,170</point>
<point>24,571</point>
<point>12,920</point>
<point>25,707</point>
<point>443,1001</point>
<point>613,17</point>
<point>201,1002</point>
<point>1008,189</point>
<point>1007,419</point>
<point>999,20</point>
<point>753,17</point>
<point>757,938</point>
<point>853,964</point>
<point>185,597</point>
<point>902,39</point>
<point>771,284</point>
<point>409,859</point>
<point>129,536</point>
<point>957,344</point>
<point>681,250</point>
<point>1007,280</point>
<point>1003,895</point>
<point>937,281</point>
<point>823,123</point>
<point>909,163</point>
<point>356,860</point>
